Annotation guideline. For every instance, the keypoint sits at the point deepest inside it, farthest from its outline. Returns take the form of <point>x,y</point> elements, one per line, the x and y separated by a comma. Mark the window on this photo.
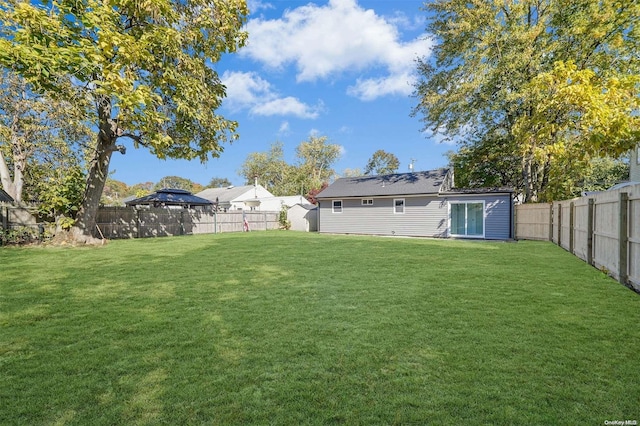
<point>367,201</point>
<point>467,219</point>
<point>398,206</point>
<point>337,206</point>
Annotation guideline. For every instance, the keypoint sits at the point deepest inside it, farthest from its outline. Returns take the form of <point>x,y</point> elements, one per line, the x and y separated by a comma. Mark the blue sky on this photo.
<point>339,68</point>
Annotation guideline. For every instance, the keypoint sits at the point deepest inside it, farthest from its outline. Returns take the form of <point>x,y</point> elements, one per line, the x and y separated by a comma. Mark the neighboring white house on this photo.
<point>249,197</point>
<point>235,197</point>
<point>270,204</point>
<point>303,217</point>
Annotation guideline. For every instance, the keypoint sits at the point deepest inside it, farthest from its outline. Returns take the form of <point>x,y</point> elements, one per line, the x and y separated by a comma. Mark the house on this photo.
<point>236,197</point>
<point>415,204</point>
<point>172,198</point>
<point>303,217</point>
<point>270,204</point>
<point>250,197</point>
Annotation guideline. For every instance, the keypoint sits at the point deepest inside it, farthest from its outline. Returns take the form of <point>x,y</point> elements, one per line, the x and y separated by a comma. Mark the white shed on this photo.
<point>303,217</point>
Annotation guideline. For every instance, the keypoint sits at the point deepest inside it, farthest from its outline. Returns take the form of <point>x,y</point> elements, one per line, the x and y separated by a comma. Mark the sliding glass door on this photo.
<point>467,219</point>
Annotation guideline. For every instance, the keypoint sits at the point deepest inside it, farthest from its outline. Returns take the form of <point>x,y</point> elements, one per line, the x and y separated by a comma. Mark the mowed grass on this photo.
<point>292,328</point>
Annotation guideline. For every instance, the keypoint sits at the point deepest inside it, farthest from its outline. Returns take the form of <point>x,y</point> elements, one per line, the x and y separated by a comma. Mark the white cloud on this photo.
<point>284,128</point>
<point>245,89</point>
<point>256,5</point>
<point>372,88</point>
<point>285,106</point>
<point>248,91</point>
<point>339,37</point>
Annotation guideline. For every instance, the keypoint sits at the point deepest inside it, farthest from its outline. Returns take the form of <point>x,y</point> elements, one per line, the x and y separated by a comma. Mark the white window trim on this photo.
<point>484,218</point>
<point>404,205</point>
<point>333,206</point>
<point>366,202</point>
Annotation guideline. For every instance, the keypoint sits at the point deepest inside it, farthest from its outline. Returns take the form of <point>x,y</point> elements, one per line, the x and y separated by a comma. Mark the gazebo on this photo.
<point>4,197</point>
<point>171,197</point>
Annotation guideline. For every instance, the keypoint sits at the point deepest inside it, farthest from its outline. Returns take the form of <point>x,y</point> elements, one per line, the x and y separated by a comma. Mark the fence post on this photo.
<point>5,218</point>
<point>559,206</point>
<point>590,230</point>
<point>571,223</point>
<point>182,222</point>
<point>551,222</point>
<point>138,227</point>
<point>623,238</point>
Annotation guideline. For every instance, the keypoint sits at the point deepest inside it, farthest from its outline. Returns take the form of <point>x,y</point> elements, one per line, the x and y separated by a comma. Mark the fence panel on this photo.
<point>533,221</point>
<point>606,247</point>
<point>116,222</point>
<point>581,244</point>
<point>565,212</point>
<point>128,222</point>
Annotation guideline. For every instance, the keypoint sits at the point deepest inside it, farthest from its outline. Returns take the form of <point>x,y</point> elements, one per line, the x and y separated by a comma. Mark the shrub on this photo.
<point>18,236</point>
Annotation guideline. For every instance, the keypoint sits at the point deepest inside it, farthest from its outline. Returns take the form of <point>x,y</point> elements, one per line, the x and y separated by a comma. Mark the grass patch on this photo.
<point>295,328</point>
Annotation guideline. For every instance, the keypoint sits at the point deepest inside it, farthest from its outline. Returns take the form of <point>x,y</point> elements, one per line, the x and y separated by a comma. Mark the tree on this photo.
<point>270,168</point>
<point>603,173</point>
<point>352,172</point>
<point>314,160</point>
<point>140,190</point>
<point>60,195</point>
<point>382,163</point>
<point>174,182</point>
<point>313,193</point>
<point>514,73</point>
<point>114,191</point>
<point>36,131</point>
<point>145,66</point>
<point>217,182</point>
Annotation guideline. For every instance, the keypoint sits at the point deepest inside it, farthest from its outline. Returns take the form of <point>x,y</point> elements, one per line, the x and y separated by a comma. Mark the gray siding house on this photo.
<point>418,204</point>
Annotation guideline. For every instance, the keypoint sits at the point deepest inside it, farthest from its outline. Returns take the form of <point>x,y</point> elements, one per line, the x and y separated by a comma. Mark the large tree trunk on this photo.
<point>98,172</point>
<point>82,231</point>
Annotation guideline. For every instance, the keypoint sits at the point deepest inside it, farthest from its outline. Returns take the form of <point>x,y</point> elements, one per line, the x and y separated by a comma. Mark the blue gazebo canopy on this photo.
<point>170,197</point>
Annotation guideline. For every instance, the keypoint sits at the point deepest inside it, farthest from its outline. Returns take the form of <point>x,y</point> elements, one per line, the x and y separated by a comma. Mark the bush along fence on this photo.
<point>603,229</point>
<point>129,222</point>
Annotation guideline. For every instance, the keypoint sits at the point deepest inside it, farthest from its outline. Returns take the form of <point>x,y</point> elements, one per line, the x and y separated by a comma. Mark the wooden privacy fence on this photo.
<point>603,229</point>
<point>129,222</point>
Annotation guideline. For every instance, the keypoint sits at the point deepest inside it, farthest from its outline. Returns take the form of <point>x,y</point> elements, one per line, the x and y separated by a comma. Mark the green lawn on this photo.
<point>290,328</point>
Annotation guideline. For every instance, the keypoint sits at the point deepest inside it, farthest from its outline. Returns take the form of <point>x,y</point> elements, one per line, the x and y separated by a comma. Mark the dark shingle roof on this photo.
<point>427,182</point>
<point>4,197</point>
<point>169,196</point>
